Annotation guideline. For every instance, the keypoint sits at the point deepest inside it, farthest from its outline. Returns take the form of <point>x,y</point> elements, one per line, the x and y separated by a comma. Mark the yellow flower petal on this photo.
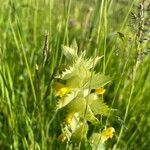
<point>100,91</point>
<point>69,118</point>
<point>62,137</point>
<point>107,134</point>
<point>63,91</point>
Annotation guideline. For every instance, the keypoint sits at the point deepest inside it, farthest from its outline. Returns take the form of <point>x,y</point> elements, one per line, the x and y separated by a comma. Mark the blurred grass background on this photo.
<point>28,63</point>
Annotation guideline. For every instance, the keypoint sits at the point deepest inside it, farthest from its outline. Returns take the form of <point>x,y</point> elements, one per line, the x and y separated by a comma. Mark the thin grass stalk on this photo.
<point>110,2</point>
<point>24,56</point>
<point>135,67</point>
<point>105,36</point>
<point>128,104</point>
<point>65,40</point>
<point>35,21</point>
<point>116,92</point>
<point>122,28</point>
<point>51,5</point>
<point>101,9</point>
<point>66,23</point>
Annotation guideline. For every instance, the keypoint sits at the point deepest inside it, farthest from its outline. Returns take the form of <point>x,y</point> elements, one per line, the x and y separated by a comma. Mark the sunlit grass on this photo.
<point>31,37</point>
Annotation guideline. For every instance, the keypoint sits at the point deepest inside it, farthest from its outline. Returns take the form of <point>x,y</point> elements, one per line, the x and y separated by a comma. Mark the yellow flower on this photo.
<point>107,134</point>
<point>69,118</point>
<point>58,86</point>
<point>62,137</point>
<point>100,91</point>
<point>61,90</point>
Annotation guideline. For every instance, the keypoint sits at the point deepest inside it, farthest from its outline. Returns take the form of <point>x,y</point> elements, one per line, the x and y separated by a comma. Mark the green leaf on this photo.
<point>68,73</point>
<point>73,57</point>
<point>98,106</point>
<point>95,142</point>
<point>79,78</point>
<point>76,76</point>
<point>75,70</point>
<point>79,105</point>
<point>91,62</point>
<point>95,138</point>
<point>97,81</point>
<point>67,99</point>
<point>74,82</point>
<point>90,116</point>
<point>81,132</point>
<point>88,63</point>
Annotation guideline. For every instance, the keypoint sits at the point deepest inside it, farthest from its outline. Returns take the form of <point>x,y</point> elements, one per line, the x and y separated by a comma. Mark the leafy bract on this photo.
<point>95,142</point>
<point>97,81</point>
<point>67,99</point>
<point>74,45</point>
<point>81,106</point>
<point>80,132</point>
<point>76,70</point>
<point>98,106</point>
<point>90,116</point>
<point>77,105</point>
<point>91,62</point>
<point>70,53</point>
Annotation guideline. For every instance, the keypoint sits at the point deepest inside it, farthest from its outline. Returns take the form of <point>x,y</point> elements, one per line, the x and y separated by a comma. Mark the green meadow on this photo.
<point>74,74</point>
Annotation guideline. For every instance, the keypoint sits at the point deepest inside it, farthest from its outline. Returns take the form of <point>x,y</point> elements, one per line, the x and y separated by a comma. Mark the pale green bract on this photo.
<point>97,80</point>
<point>73,58</point>
<point>70,53</point>
<point>67,99</point>
<point>97,105</point>
<point>96,143</point>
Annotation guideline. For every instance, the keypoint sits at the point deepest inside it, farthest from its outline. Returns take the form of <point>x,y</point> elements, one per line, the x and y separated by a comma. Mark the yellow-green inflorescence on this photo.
<point>79,93</point>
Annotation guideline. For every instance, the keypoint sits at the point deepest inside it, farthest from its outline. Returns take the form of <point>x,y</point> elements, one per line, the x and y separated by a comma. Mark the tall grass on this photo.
<point>31,35</point>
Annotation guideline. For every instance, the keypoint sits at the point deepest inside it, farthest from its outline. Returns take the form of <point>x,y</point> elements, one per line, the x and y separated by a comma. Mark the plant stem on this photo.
<point>128,104</point>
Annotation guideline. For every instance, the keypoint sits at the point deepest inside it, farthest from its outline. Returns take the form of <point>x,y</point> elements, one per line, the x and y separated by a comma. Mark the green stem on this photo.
<point>35,22</point>
<point>66,23</point>
<point>105,36</point>
<point>25,58</point>
<point>121,30</point>
<point>128,104</point>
